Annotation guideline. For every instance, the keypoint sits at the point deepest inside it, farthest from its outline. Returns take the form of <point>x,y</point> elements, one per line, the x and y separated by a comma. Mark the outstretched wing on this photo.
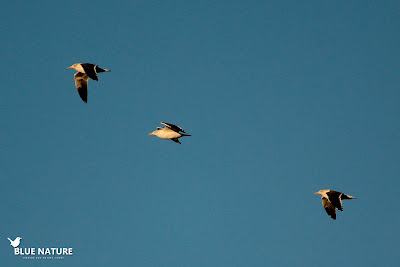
<point>335,199</point>
<point>174,128</point>
<point>81,81</point>
<point>329,208</point>
<point>90,70</point>
<point>176,140</point>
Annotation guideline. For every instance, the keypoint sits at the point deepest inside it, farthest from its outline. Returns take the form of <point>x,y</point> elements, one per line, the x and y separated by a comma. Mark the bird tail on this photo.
<point>98,70</point>
<point>344,196</point>
<point>185,134</point>
<point>9,239</point>
<point>101,70</point>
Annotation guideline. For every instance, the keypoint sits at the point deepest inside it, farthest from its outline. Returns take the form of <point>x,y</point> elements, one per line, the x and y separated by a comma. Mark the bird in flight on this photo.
<point>170,131</point>
<point>85,71</point>
<point>332,200</point>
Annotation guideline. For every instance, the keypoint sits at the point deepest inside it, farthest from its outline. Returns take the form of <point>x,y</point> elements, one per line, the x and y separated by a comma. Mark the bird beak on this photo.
<point>69,67</point>
<point>150,133</point>
<point>316,193</point>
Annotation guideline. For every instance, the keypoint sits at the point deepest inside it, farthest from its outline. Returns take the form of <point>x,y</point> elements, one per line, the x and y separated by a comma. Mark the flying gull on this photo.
<point>332,200</point>
<point>170,131</point>
<point>85,71</point>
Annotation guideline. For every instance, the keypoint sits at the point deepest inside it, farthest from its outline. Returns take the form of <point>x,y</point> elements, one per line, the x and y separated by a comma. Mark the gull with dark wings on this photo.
<point>332,200</point>
<point>85,71</point>
<point>170,131</point>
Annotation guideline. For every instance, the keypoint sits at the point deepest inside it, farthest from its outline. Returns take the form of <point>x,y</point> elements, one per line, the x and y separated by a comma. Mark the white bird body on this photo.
<point>166,133</point>
<point>16,242</point>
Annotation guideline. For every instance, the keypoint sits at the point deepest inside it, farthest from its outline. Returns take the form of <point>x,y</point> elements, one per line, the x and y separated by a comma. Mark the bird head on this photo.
<point>18,238</point>
<point>72,66</point>
<point>322,192</point>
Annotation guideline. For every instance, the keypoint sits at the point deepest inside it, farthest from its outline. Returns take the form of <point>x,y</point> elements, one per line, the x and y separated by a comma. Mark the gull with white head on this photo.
<point>332,200</point>
<point>170,131</point>
<point>85,71</point>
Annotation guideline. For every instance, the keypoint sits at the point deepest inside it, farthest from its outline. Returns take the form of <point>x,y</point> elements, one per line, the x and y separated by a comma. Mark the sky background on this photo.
<point>282,98</point>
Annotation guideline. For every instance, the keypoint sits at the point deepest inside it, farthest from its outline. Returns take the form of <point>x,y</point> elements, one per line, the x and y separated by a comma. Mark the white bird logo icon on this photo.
<point>16,242</point>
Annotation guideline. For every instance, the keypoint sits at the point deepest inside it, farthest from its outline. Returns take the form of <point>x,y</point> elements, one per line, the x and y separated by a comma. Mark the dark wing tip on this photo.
<point>83,94</point>
<point>176,140</point>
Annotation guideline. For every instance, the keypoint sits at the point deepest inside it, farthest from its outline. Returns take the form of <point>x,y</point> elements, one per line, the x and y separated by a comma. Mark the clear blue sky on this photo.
<point>282,98</point>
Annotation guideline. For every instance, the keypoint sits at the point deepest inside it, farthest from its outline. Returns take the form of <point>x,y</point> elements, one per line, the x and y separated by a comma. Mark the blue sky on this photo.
<point>282,98</point>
